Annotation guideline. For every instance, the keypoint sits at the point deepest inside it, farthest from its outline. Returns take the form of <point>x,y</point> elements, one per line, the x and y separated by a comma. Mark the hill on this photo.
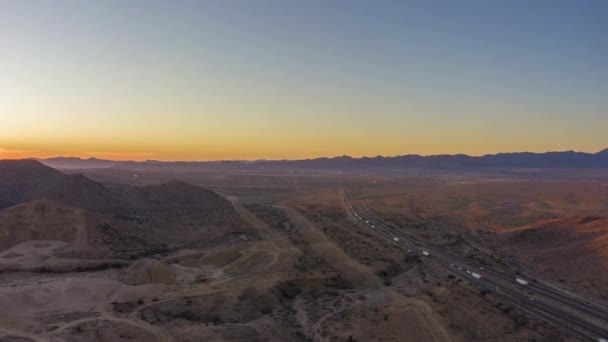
<point>27,180</point>
<point>84,234</point>
<point>573,249</point>
<point>178,196</point>
<point>174,213</point>
<point>42,220</point>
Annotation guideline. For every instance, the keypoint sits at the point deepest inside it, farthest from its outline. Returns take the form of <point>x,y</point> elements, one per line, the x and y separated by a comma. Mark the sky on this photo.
<point>209,80</point>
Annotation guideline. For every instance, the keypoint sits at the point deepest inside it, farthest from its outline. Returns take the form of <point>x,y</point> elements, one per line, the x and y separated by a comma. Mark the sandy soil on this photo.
<point>308,272</point>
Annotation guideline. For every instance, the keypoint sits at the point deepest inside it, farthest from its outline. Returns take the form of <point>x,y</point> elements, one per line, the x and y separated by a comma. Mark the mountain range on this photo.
<point>548,160</point>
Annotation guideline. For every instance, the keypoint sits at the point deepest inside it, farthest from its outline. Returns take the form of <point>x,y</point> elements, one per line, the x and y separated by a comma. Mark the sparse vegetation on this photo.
<point>288,278</point>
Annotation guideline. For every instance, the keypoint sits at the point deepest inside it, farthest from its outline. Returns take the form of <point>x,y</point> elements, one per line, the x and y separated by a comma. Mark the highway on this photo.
<point>581,318</point>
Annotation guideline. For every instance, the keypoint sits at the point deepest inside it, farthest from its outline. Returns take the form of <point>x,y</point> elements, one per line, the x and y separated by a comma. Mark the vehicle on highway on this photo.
<point>518,293</point>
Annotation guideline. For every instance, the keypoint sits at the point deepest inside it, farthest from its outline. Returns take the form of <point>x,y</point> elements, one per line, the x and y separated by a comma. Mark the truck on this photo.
<point>425,253</point>
<point>521,281</point>
<point>476,275</point>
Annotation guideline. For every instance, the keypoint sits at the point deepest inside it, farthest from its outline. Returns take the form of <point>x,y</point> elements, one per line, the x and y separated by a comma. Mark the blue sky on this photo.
<point>287,79</point>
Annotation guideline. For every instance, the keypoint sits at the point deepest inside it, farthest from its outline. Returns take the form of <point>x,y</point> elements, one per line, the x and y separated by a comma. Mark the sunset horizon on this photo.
<point>303,170</point>
<point>204,80</point>
<point>15,155</point>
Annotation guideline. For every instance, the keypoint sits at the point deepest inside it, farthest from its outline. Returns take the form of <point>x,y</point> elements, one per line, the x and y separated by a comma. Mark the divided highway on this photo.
<point>581,318</point>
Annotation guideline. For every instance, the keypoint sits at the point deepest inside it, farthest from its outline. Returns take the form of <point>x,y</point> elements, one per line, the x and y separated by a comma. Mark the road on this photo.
<point>581,318</point>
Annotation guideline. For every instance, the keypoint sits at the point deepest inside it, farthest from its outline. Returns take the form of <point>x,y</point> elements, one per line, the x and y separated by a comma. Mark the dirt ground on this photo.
<point>309,273</point>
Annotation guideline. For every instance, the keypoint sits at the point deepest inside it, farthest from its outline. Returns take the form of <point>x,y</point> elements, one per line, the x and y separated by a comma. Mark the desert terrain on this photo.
<point>136,255</point>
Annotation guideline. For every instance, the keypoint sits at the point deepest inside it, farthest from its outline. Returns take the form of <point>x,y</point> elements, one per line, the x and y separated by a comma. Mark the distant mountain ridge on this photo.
<point>565,159</point>
<point>77,163</point>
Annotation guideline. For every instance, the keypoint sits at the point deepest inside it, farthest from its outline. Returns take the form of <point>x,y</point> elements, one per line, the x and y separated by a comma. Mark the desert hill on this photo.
<point>43,220</point>
<point>575,248</point>
<point>84,234</point>
<point>589,233</point>
<point>178,195</point>
<point>175,213</point>
<point>27,180</point>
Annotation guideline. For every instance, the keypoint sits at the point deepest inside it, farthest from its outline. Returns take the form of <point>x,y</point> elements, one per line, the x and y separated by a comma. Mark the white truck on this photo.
<point>476,275</point>
<point>521,281</point>
<point>425,253</point>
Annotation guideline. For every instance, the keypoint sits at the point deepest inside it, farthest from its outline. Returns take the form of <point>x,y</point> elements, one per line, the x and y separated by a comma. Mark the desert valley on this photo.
<point>131,252</point>
<point>303,171</point>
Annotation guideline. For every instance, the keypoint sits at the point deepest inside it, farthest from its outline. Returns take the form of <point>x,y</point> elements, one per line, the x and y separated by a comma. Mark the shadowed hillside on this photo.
<point>85,234</point>
<point>174,213</point>
<point>571,249</point>
<point>26,180</point>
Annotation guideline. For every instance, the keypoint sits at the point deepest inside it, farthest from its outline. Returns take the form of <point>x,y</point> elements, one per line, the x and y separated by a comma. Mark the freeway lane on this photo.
<point>533,284</point>
<point>548,304</point>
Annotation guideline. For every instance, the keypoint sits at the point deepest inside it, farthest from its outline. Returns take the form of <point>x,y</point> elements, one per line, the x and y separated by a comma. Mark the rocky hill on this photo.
<point>569,249</point>
<point>27,180</point>
<point>175,213</point>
